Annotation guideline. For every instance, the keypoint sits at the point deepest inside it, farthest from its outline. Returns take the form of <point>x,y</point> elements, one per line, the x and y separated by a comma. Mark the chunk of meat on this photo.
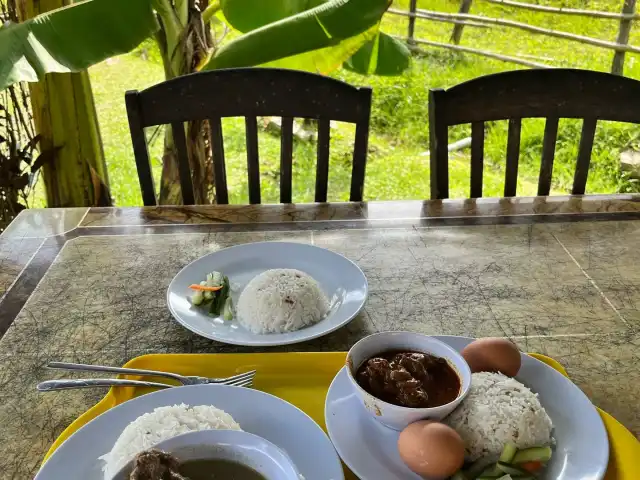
<point>156,465</point>
<point>391,381</point>
<point>409,379</point>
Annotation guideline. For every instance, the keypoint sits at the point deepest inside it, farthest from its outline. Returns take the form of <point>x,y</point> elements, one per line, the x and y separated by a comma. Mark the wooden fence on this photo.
<point>463,18</point>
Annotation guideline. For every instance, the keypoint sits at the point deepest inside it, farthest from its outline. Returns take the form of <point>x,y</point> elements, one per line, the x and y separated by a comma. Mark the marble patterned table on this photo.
<point>558,275</point>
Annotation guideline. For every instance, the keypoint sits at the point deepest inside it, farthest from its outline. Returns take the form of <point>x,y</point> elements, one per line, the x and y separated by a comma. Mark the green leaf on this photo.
<point>247,15</point>
<point>72,38</point>
<point>327,25</point>
<point>325,60</point>
<point>384,55</point>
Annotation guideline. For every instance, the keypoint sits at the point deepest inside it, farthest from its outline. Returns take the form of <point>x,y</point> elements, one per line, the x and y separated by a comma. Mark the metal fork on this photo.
<point>239,380</point>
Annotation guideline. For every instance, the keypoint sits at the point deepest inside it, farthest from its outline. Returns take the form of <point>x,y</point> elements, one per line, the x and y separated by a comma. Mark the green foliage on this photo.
<point>342,25</point>
<point>72,39</point>
<point>383,55</point>
<point>398,166</point>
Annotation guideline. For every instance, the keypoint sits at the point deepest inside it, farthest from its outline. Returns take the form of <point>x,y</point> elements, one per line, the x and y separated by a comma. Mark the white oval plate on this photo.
<point>582,447</point>
<point>257,412</point>
<point>341,280</point>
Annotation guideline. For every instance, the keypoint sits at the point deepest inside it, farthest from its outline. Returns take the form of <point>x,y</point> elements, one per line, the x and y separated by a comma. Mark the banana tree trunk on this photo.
<point>65,115</point>
<point>200,161</point>
<point>184,43</point>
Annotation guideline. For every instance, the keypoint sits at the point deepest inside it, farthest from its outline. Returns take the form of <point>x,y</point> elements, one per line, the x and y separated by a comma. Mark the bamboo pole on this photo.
<point>566,11</point>
<point>435,18</point>
<point>629,7</point>
<point>456,35</point>
<point>531,28</point>
<point>496,56</point>
<point>413,5</point>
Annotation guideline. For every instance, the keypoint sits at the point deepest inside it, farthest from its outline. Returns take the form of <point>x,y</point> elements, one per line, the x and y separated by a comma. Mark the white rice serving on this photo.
<point>163,423</point>
<point>281,300</point>
<point>499,409</point>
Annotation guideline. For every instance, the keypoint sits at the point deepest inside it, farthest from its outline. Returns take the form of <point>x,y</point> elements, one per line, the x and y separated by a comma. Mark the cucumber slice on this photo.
<point>476,468</point>
<point>214,279</point>
<point>508,452</point>
<point>220,298</point>
<point>227,311</point>
<point>492,472</point>
<point>534,454</point>
<point>459,475</point>
<point>512,469</point>
<point>197,298</point>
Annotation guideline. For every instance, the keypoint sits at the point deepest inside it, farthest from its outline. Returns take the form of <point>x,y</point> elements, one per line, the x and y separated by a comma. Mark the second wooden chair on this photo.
<point>249,92</point>
<point>548,93</point>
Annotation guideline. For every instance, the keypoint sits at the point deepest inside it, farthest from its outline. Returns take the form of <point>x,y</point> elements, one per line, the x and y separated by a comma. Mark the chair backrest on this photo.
<point>249,92</point>
<point>548,93</point>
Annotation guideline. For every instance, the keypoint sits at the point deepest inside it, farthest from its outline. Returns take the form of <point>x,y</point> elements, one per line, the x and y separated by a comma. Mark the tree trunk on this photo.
<point>183,48</point>
<point>65,115</point>
<point>200,161</point>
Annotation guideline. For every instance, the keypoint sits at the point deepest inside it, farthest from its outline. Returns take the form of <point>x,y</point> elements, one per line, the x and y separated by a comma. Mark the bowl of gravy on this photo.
<point>403,377</point>
<point>212,454</point>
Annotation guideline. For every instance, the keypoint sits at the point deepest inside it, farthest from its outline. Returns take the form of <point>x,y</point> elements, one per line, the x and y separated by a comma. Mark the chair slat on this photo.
<point>548,154</point>
<point>477,158</point>
<point>184,171</point>
<point>140,150</point>
<point>438,145</point>
<point>513,157</point>
<point>360,149</point>
<point>253,162</point>
<point>286,159</point>
<point>584,156</point>
<point>322,166</point>
<point>219,167</point>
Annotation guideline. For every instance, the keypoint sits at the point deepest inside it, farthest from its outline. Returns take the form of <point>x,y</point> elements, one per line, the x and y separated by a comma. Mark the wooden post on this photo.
<point>413,5</point>
<point>629,7</point>
<point>465,6</point>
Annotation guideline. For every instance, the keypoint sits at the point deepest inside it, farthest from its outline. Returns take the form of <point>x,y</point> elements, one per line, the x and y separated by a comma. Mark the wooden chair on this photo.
<point>249,92</point>
<point>549,93</point>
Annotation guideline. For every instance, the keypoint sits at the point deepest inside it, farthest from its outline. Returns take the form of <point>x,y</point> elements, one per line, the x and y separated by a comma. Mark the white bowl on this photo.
<point>233,445</point>
<point>394,416</point>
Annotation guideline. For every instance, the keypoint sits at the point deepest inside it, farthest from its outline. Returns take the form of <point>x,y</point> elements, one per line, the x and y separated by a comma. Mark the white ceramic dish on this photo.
<point>257,412</point>
<point>232,445</point>
<point>341,279</point>
<point>394,416</point>
<point>582,450</point>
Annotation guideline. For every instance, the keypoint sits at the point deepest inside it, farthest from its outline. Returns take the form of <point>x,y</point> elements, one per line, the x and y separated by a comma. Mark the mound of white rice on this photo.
<point>163,423</point>
<point>281,300</point>
<point>499,409</point>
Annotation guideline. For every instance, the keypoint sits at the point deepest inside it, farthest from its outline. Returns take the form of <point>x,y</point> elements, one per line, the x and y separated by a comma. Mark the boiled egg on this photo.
<point>431,449</point>
<point>493,355</point>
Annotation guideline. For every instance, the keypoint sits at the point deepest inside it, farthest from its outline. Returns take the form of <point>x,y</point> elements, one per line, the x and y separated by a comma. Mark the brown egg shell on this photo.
<point>493,355</point>
<point>431,449</point>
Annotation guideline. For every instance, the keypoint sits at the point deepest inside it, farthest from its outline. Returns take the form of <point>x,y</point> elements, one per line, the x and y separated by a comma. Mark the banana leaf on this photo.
<point>326,60</point>
<point>330,24</point>
<point>247,15</point>
<point>72,38</point>
<point>383,55</point>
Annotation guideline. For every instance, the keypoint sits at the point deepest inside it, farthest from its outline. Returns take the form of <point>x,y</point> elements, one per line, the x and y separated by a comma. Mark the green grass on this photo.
<point>398,160</point>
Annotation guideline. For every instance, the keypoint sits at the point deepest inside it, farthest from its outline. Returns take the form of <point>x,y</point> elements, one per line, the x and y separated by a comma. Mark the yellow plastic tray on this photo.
<point>303,380</point>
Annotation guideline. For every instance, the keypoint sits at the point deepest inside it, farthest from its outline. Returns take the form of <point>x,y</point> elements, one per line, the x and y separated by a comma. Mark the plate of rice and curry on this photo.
<point>267,293</point>
<point>409,406</point>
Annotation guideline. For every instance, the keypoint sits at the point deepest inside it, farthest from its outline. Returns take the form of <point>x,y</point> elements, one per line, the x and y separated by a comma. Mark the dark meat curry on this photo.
<point>158,465</point>
<point>409,379</point>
